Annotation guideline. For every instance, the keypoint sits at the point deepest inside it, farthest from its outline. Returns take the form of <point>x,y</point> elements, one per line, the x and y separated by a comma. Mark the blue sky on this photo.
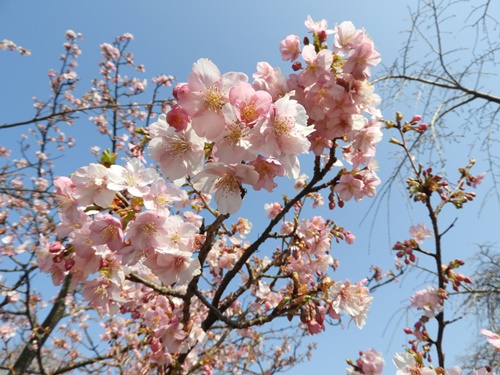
<point>169,37</point>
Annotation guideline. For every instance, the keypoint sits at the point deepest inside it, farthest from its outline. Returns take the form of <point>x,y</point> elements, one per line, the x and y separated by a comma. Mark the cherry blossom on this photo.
<point>91,186</point>
<point>173,266</point>
<point>226,181</point>
<point>352,299</point>
<point>162,197</point>
<point>285,131</point>
<point>290,48</point>
<point>370,362</point>
<point>134,177</point>
<point>428,300</point>
<point>407,364</point>
<point>179,153</point>
<point>349,187</point>
<point>206,93</point>
<point>493,338</point>
<point>421,232</point>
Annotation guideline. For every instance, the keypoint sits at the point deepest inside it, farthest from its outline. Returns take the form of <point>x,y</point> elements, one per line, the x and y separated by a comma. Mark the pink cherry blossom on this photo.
<point>428,300</point>
<point>407,364</point>
<point>492,337</point>
<point>370,362</point>
<point>91,186</point>
<point>8,331</point>
<point>225,181</point>
<point>147,230</point>
<point>134,177</point>
<point>248,103</point>
<point>481,371</point>
<point>237,142</point>
<point>174,266</point>
<point>352,299</point>
<point>290,48</point>
<point>179,234</point>
<point>285,132</point>
<point>271,80</point>
<point>102,295</point>
<point>420,232</point>
<point>109,52</point>
<point>347,37</point>
<point>107,229</point>
<point>318,65</point>
<point>349,187</point>
<point>318,26</point>
<point>207,92</point>
<point>179,153</point>
<point>162,197</point>
<point>178,118</point>
<point>360,58</point>
<point>65,197</point>
<point>477,180</point>
<point>268,169</point>
<point>272,209</point>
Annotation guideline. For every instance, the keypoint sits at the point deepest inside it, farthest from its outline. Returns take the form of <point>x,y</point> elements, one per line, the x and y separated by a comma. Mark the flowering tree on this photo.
<point>448,72</point>
<point>179,284</point>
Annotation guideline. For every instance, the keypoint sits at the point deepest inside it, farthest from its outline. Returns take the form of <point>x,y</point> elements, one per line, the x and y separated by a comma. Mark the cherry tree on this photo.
<point>448,73</point>
<point>151,247</point>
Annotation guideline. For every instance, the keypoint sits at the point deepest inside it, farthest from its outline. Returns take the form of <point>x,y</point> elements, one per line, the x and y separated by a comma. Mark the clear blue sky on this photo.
<point>169,37</point>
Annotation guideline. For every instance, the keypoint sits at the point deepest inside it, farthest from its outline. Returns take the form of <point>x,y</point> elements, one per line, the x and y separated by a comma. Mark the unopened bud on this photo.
<point>54,247</point>
<point>69,264</point>
<point>416,119</point>
<point>422,128</point>
<point>322,36</point>
<point>399,116</point>
<point>389,124</point>
<point>395,141</point>
<point>297,65</point>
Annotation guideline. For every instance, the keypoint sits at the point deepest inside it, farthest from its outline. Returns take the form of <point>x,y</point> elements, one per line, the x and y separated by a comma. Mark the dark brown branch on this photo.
<point>43,332</point>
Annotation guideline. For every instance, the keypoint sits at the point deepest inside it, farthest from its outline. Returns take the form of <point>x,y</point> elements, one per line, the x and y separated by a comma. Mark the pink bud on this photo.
<point>416,119</point>
<point>408,331</point>
<point>69,264</point>
<point>422,128</point>
<point>180,89</point>
<point>296,66</point>
<point>54,247</point>
<point>178,118</point>
<point>322,36</point>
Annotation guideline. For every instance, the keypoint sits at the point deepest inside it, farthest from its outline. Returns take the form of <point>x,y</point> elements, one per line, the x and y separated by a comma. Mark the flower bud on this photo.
<point>422,128</point>
<point>416,119</point>
<point>322,36</point>
<point>54,247</point>
<point>69,264</point>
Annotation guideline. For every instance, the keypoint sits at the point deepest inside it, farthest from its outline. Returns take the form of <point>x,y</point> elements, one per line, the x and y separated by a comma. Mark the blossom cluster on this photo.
<point>127,229</point>
<point>410,362</point>
<point>11,46</point>
<point>371,362</point>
